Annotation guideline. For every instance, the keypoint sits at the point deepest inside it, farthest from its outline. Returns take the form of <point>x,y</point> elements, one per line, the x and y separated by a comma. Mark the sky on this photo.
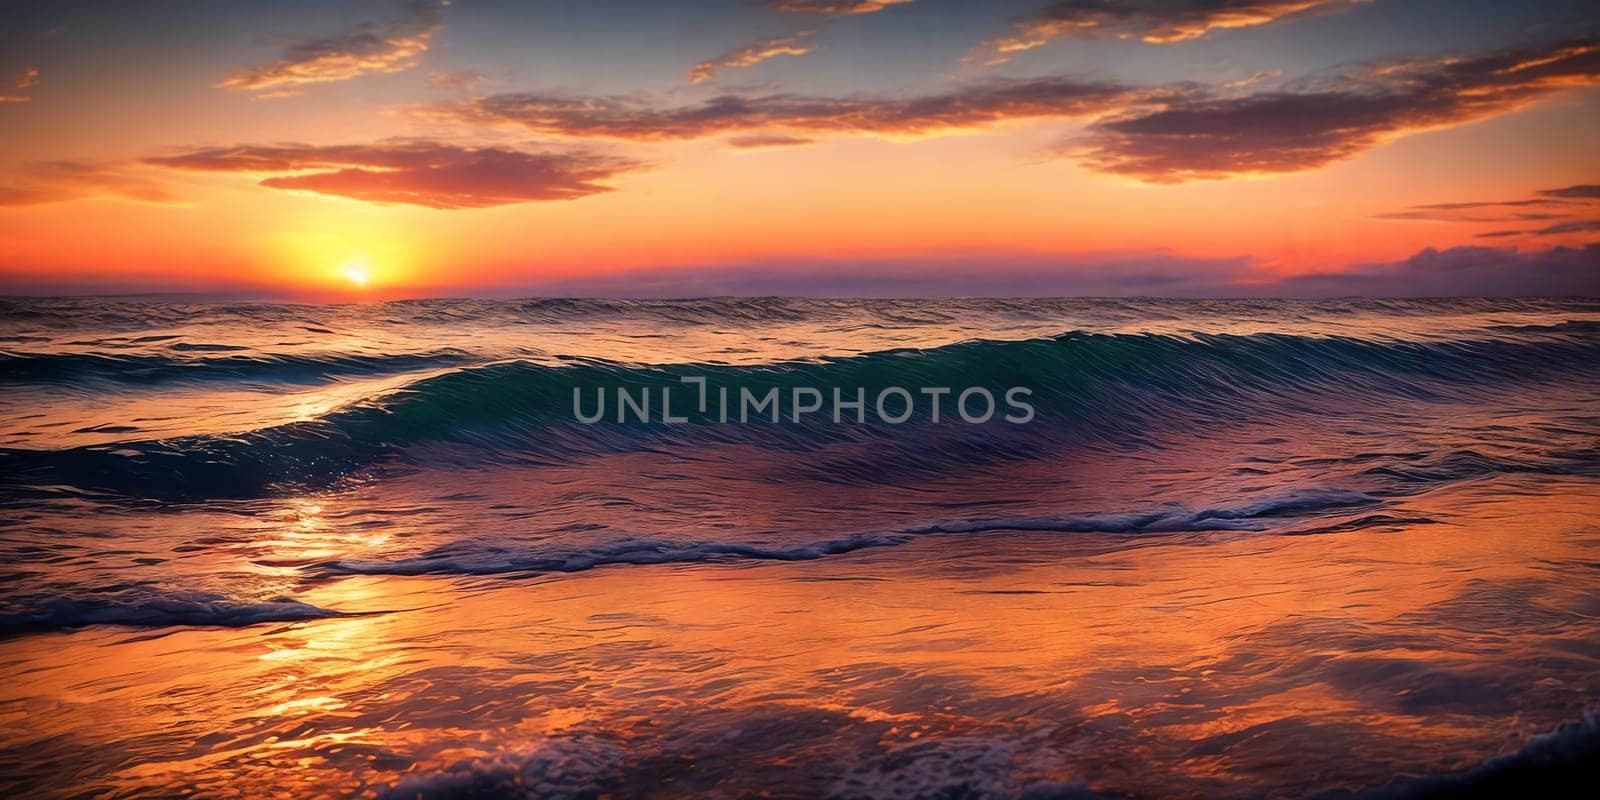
<point>374,150</point>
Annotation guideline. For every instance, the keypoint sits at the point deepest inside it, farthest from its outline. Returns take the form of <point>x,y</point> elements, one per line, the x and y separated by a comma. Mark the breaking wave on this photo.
<point>470,557</point>
<point>152,610</point>
<point>1108,390</point>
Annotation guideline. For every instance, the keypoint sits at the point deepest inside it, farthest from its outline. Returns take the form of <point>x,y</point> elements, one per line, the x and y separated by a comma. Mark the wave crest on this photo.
<point>1111,390</point>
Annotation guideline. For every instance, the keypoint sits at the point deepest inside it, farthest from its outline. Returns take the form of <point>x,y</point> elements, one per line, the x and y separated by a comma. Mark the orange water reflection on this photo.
<point>1178,665</point>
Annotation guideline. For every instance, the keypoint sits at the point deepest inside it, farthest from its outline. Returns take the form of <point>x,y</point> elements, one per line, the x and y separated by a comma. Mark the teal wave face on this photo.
<point>1088,389</point>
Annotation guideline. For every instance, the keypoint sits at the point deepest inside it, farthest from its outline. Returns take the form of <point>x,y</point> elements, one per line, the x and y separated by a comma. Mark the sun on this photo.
<point>356,273</point>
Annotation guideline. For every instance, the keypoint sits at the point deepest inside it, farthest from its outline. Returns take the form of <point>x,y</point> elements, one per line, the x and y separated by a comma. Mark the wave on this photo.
<point>184,608</point>
<point>19,368</point>
<point>977,767</point>
<point>468,557</point>
<point>568,766</point>
<point>1547,765</point>
<point>586,765</point>
<point>1107,390</point>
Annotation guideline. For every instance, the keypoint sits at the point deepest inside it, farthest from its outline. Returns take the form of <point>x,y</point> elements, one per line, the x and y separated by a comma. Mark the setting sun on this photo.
<point>356,274</point>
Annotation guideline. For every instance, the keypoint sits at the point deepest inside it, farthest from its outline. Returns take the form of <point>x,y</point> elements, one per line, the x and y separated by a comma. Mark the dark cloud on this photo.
<point>58,181</point>
<point>1558,229</point>
<point>1153,21</point>
<point>1475,204</point>
<point>834,6</point>
<point>389,46</point>
<point>1462,272</point>
<point>1574,226</point>
<point>1329,117</point>
<point>754,53</point>
<point>1468,212</point>
<point>1161,134</point>
<point>421,173</point>
<point>624,118</point>
<point>1582,191</point>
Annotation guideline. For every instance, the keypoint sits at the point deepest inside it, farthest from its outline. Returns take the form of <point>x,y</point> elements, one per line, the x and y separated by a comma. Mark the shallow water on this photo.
<point>1242,549</point>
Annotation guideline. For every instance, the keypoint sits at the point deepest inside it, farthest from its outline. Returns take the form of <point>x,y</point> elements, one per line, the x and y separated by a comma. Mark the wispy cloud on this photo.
<point>1567,227</point>
<point>758,141</point>
<point>1329,117</point>
<point>1567,210</point>
<point>797,44</point>
<point>1472,212</point>
<point>21,82</point>
<point>786,45</point>
<point>834,6</point>
<point>455,81</point>
<point>1253,79</point>
<point>374,47</point>
<point>414,172</point>
<point>60,181</point>
<point>967,108</point>
<point>1153,21</point>
<point>754,53</point>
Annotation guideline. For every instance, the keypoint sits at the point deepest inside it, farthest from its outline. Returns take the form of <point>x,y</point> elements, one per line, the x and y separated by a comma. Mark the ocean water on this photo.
<point>1238,549</point>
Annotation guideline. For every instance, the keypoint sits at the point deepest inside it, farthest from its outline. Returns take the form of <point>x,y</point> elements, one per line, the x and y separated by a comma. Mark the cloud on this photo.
<point>22,81</point>
<point>59,181</point>
<point>416,172</point>
<point>1574,226</point>
<point>1572,206</point>
<point>1462,212</point>
<point>834,6</point>
<point>455,81</point>
<point>1330,117</point>
<point>1558,229</point>
<point>968,108</point>
<point>757,141</point>
<point>365,49</point>
<point>1462,272</point>
<point>1153,21</point>
<point>1583,191</point>
<point>1253,79</point>
<point>795,45</point>
<point>1474,204</point>
<point>1158,134</point>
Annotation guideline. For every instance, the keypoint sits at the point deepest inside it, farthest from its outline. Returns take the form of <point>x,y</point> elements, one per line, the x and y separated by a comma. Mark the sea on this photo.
<point>524,548</point>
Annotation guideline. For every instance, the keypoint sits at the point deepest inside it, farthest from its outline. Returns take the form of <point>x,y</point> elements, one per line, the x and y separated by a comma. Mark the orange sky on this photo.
<point>873,182</point>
